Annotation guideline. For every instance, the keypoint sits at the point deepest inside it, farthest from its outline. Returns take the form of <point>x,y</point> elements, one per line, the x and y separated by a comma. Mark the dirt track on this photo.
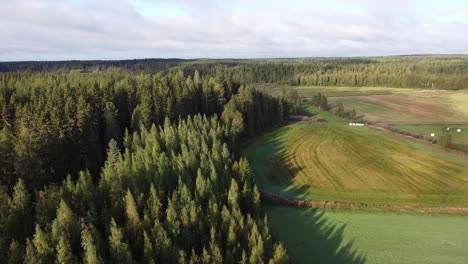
<point>277,200</point>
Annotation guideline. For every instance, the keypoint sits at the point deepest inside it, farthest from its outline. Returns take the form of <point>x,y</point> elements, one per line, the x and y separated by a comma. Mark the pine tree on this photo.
<point>64,252</point>
<point>66,227</point>
<point>131,211</point>
<point>88,243</point>
<point>324,103</point>
<point>46,205</point>
<point>118,248</point>
<point>43,246</point>
<point>148,249</point>
<point>111,124</point>
<point>20,220</point>
<point>154,205</point>
<point>279,256</point>
<point>16,253</point>
<point>31,255</point>
<point>233,194</point>
<point>6,157</point>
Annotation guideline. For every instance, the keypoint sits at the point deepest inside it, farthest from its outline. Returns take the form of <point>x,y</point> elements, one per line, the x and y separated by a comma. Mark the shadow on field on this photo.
<point>310,237</point>
<point>270,160</point>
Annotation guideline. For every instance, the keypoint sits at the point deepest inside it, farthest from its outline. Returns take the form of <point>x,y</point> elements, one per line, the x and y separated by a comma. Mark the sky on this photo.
<point>129,29</point>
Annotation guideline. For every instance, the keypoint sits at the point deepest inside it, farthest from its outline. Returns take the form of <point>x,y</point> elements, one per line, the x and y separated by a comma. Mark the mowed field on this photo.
<point>394,105</point>
<point>336,162</point>
<point>355,237</point>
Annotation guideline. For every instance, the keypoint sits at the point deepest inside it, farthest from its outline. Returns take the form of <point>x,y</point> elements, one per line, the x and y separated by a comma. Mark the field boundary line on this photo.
<point>278,200</point>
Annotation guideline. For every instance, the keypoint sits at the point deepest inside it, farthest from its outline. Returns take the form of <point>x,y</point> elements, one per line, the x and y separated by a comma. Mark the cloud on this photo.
<point>125,29</point>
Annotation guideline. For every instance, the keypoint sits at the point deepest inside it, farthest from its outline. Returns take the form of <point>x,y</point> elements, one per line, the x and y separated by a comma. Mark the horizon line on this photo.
<point>245,58</point>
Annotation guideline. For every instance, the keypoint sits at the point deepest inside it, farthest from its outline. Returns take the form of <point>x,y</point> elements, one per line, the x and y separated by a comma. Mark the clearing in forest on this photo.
<point>336,162</point>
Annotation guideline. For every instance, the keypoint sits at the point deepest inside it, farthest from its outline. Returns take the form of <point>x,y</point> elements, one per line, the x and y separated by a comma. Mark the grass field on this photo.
<point>426,130</point>
<point>394,105</point>
<point>354,237</point>
<point>337,162</point>
<point>357,164</point>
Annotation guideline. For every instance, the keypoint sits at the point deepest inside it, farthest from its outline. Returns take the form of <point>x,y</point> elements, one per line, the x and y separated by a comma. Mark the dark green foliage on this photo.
<point>56,124</point>
<point>433,72</point>
<point>445,138</point>
<point>16,253</point>
<point>167,188</point>
<point>339,111</point>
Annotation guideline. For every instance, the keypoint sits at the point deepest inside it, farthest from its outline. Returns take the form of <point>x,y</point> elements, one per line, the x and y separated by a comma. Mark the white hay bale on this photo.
<point>350,124</point>
<point>459,130</point>
<point>432,134</point>
<point>448,128</point>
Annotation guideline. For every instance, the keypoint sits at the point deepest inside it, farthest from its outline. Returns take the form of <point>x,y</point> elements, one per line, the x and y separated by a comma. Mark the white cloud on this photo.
<point>119,29</point>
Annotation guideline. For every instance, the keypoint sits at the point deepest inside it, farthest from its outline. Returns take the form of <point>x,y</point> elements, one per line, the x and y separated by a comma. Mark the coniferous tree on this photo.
<point>20,210</point>
<point>16,253</point>
<point>119,249</point>
<point>88,243</point>
<point>65,252</point>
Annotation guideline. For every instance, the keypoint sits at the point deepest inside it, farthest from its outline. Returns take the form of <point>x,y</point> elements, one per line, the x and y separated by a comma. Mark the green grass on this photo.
<point>337,162</point>
<point>357,164</point>
<point>426,130</point>
<point>353,237</point>
<point>329,117</point>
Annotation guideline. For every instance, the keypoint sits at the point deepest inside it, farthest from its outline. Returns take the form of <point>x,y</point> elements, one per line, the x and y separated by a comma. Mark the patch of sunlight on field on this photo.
<point>459,100</point>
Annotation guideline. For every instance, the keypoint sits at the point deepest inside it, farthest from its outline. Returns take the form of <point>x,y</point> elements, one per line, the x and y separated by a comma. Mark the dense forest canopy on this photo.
<point>116,166</point>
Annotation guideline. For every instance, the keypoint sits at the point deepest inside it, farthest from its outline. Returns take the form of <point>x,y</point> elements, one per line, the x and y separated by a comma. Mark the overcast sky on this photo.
<point>127,29</point>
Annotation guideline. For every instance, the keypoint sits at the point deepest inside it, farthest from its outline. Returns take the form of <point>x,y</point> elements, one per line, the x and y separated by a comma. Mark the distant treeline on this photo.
<point>449,72</point>
<point>148,65</point>
<point>437,72</point>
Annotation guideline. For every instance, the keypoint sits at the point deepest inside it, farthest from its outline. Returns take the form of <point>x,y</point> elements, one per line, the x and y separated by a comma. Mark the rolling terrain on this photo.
<point>333,161</point>
<point>393,105</point>
<point>336,162</point>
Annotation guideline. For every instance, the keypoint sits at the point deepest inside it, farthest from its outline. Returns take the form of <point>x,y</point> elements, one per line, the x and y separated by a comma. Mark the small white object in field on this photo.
<point>432,135</point>
<point>350,124</point>
<point>448,128</point>
<point>459,130</point>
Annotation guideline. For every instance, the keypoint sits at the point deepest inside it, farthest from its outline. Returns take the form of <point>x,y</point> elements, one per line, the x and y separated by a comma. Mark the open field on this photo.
<point>394,105</point>
<point>354,237</point>
<point>457,138</point>
<point>336,162</point>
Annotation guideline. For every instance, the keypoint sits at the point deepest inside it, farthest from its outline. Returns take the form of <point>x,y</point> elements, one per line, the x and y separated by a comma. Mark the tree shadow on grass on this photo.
<point>271,169</point>
<point>310,237</point>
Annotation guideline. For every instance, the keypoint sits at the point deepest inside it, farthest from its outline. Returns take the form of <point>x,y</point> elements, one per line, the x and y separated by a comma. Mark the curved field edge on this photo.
<point>333,162</point>
<point>355,237</point>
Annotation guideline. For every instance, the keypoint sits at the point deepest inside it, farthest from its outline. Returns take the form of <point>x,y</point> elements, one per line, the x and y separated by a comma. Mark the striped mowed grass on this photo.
<point>336,162</point>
